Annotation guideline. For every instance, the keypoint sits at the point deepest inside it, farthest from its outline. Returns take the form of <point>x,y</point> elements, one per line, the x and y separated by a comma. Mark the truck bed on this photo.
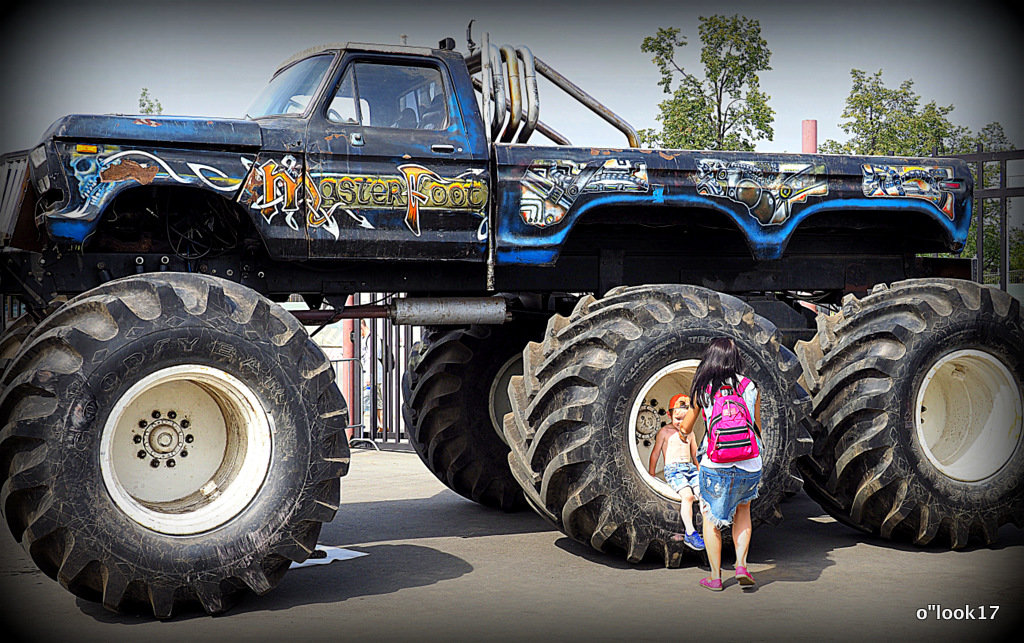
<point>545,192</point>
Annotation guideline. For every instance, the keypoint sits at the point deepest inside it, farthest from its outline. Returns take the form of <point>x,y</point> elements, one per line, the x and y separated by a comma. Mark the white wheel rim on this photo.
<point>683,368</point>
<point>968,415</point>
<point>498,402</point>
<point>200,459</point>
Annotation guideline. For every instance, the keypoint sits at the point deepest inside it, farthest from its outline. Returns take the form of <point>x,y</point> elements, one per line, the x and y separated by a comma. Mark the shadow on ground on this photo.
<point>444,515</point>
<point>384,570</point>
<point>800,544</point>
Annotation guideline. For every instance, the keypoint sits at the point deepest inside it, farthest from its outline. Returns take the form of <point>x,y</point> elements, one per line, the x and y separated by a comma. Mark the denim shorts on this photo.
<point>723,489</point>
<point>681,474</point>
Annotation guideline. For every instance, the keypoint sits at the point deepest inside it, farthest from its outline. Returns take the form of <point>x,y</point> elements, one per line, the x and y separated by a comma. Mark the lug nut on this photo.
<point>154,463</point>
<point>142,424</point>
<point>171,463</point>
<point>172,414</point>
<point>155,414</point>
<point>185,424</point>
<point>189,438</point>
<point>136,439</point>
<point>184,453</point>
<point>141,454</point>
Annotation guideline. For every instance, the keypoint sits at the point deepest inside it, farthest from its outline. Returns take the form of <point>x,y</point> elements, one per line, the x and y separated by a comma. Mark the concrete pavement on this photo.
<point>439,567</point>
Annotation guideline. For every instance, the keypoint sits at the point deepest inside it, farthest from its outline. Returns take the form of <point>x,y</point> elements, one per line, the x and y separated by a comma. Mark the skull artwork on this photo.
<point>87,173</point>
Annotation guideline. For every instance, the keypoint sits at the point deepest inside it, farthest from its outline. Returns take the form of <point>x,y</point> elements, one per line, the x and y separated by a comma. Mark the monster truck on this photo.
<point>170,434</point>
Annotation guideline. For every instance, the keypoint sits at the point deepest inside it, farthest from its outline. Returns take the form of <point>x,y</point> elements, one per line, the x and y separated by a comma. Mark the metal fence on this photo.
<point>999,178</point>
<point>370,358</point>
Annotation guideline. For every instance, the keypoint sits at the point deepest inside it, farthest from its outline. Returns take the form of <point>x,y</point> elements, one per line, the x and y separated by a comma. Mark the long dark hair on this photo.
<point>720,361</point>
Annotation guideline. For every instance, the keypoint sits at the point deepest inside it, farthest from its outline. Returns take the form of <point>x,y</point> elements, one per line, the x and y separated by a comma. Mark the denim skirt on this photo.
<point>723,489</point>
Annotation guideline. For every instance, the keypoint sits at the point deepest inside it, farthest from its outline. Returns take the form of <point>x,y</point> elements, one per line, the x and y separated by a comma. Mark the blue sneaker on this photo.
<point>694,541</point>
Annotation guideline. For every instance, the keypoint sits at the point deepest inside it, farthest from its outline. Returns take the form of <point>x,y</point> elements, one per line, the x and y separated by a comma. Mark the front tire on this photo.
<point>13,337</point>
<point>572,429</point>
<point>918,388</point>
<point>169,439</point>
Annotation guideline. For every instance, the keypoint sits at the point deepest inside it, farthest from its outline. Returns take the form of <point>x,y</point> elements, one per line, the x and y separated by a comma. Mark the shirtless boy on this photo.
<point>679,451</point>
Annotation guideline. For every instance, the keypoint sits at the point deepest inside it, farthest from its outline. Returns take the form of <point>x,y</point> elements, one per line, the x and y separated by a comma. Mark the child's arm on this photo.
<point>659,446</point>
<point>693,449</point>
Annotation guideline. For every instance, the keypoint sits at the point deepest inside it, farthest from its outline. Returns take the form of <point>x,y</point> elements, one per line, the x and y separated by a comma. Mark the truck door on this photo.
<point>391,172</point>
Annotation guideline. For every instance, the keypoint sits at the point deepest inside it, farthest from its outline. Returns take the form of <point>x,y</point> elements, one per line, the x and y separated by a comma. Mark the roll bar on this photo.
<point>511,99</point>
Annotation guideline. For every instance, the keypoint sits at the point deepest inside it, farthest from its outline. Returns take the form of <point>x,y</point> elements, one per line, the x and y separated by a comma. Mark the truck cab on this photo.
<point>384,147</point>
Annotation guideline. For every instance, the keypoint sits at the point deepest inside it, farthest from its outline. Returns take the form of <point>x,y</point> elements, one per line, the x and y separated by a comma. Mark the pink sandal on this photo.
<point>743,576</point>
<point>714,585</point>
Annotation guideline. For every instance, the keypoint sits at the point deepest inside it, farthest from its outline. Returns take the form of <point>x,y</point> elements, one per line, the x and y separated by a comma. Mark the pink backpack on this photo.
<point>730,429</point>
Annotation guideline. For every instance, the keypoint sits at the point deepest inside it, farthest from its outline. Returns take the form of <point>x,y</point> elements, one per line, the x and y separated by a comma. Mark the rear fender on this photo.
<point>544,192</point>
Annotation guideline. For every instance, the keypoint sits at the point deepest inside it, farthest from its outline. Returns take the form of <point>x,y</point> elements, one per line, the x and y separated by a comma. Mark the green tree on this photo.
<point>148,104</point>
<point>726,110</point>
<point>883,120</point>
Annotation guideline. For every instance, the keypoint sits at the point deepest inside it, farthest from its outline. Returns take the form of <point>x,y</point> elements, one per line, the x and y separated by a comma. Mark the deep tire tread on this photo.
<point>552,427</point>
<point>447,412</point>
<point>857,471</point>
<point>51,358</point>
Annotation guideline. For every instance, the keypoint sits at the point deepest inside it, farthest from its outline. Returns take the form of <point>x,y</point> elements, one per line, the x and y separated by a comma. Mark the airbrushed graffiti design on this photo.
<point>551,187</point>
<point>930,182</point>
<point>273,188</point>
<point>98,176</point>
<point>768,189</point>
<point>415,190</point>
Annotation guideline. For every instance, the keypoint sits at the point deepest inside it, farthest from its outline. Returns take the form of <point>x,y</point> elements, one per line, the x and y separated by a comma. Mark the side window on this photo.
<point>343,106</point>
<point>395,96</point>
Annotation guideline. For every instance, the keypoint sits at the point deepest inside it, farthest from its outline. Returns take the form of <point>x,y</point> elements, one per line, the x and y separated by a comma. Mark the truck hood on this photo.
<point>179,131</point>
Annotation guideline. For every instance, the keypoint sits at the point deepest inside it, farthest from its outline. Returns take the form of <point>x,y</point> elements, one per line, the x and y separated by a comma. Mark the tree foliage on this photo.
<point>149,104</point>
<point>883,120</point>
<point>724,110</point>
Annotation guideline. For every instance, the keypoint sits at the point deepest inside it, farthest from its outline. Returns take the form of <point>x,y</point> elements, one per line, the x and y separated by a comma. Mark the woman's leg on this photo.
<point>713,546</point>
<point>741,528</point>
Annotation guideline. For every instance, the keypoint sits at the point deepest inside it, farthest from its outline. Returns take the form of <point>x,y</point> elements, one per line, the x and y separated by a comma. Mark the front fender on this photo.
<point>95,174</point>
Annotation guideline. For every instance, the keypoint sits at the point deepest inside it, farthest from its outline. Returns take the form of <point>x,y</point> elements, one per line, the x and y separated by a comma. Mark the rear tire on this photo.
<point>455,399</point>
<point>92,494</point>
<point>572,429</point>
<point>918,391</point>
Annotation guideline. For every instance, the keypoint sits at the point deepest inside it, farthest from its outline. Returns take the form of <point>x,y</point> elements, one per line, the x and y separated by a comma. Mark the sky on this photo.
<point>211,58</point>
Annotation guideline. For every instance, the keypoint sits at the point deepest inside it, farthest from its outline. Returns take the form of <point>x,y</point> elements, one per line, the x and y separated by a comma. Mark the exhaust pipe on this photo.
<point>426,311</point>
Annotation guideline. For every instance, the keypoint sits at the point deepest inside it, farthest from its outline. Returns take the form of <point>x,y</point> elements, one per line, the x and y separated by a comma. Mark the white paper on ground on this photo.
<point>333,554</point>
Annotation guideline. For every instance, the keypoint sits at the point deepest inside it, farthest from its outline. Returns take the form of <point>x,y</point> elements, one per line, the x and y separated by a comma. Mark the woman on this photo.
<point>726,489</point>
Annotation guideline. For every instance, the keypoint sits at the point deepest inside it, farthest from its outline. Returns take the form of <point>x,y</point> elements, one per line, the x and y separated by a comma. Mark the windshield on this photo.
<point>290,91</point>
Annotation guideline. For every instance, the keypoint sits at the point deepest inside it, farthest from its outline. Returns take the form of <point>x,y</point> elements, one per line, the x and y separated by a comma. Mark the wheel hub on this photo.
<point>185,449</point>
<point>648,415</point>
<point>968,415</point>
<point>164,439</point>
<point>498,403</point>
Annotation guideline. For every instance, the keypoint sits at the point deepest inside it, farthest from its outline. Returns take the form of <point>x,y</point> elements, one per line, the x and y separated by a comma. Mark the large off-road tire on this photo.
<point>573,447</point>
<point>918,391</point>
<point>455,399</point>
<point>13,337</point>
<point>168,439</point>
